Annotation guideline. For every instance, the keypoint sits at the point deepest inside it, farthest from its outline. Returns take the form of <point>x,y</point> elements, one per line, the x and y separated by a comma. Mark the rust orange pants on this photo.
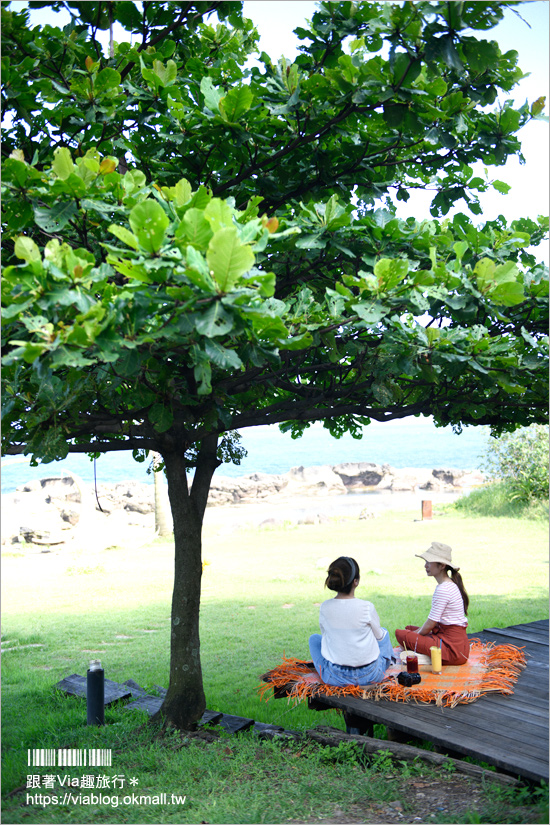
<point>451,638</point>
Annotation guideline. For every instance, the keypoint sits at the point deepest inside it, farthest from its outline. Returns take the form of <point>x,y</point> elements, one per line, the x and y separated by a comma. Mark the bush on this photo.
<point>493,501</point>
<point>520,461</point>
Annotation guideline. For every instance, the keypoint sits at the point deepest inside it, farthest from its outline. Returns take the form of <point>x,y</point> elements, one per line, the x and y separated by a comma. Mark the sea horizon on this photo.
<point>409,442</point>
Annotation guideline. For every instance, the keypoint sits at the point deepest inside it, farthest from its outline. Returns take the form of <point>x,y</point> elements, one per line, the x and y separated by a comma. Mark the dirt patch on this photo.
<point>435,799</point>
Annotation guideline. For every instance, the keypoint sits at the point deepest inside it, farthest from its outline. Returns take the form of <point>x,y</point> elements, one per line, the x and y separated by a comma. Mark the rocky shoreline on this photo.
<point>55,511</point>
<point>340,479</point>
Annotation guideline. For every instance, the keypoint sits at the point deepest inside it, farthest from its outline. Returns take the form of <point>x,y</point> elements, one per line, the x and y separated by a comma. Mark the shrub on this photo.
<point>520,461</point>
<point>493,501</point>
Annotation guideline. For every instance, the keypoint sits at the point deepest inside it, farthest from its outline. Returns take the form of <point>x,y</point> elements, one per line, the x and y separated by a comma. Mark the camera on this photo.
<point>409,679</point>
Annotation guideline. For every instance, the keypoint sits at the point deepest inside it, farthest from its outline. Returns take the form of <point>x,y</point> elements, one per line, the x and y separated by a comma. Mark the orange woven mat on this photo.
<point>490,668</point>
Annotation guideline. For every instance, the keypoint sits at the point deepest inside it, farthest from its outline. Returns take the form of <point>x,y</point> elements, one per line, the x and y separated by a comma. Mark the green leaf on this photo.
<point>235,103</point>
<point>197,271</point>
<point>296,342</point>
<point>221,356</point>
<point>26,249</point>
<point>161,417</point>
<point>183,192</point>
<point>506,272</point>
<point>166,74</point>
<point>203,375</point>
<point>484,270</point>
<point>26,350</point>
<point>370,313</point>
<point>460,248</point>
<point>195,229</point>
<point>212,96</point>
<point>450,54</point>
<point>149,222</point>
<point>508,294</point>
<point>502,187</point>
<point>219,214</point>
<point>215,321</point>
<point>336,215</point>
<point>136,272</point>
<point>124,235</point>
<point>390,271</point>
<point>227,258</point>
<point>106,80</point>
<point>62,165</point>
<point>55,218</point>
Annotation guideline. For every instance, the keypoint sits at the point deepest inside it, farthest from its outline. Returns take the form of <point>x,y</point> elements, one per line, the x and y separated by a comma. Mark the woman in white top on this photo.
<point>353,648</point>
<point>446,624</point>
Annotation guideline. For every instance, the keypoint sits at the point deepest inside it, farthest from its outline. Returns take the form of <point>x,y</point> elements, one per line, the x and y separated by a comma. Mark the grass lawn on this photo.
<point>261,596</point>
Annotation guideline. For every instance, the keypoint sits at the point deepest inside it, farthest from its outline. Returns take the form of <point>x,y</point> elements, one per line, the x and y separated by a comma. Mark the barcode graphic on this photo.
<point>69,757</point>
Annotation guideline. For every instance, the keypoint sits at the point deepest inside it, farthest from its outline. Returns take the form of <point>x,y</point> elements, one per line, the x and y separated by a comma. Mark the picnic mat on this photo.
<point>490,668</point>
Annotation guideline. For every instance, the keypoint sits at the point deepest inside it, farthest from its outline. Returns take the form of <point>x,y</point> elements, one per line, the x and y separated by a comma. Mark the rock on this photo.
<point>361,475</point>
<point>44,511</point>
<point>271,522</point>
<point>255,487</point>
<point>367,514</point>
<point>65,487</point>
<point>52,510</point>
<point>446,476</point>
<point>320,480</point>
<point>132,496</point>
<point>313,518</point>
<point>409,478</point>
<point>460,478</point>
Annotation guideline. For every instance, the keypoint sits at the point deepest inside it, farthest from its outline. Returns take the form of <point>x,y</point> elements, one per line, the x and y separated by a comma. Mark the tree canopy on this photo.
<point>194,245</point>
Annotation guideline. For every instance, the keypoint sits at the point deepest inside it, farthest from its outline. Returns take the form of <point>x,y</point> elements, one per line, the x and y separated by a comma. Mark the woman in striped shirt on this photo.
<point>446,624</point>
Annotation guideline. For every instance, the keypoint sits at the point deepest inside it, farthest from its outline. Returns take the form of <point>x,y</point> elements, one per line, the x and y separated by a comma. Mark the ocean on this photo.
<point>410,442</point>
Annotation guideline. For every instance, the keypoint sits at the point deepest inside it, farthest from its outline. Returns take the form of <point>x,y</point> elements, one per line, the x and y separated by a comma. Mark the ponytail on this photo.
<point>457,579</point>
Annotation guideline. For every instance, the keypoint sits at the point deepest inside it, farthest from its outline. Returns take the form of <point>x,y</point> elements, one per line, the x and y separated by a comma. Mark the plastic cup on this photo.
<point>435,653</point>
<point>412,663</point>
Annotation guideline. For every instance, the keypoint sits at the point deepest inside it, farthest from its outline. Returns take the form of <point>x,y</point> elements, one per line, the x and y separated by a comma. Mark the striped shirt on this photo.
<point>447,605</point>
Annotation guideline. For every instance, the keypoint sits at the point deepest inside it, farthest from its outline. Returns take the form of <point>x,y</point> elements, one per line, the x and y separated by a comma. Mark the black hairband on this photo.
<point>353,569</point>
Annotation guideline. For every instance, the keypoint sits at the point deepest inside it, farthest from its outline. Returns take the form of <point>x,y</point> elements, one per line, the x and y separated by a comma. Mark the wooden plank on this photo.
<point>532,713</point>
<point>332,736</point>
<point>519,635</point>
<point>429,716</point>
<point>75,685</point>
<point>262,727</point>
<point>150,704</point>
<point>540,626</point>
<point>210,717</point>
<point>135,689</point>
<point>503,753</point>
<point>464,732</point>
<point>235,724</point>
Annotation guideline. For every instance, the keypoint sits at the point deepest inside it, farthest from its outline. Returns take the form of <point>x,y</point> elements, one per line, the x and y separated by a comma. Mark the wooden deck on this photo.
<point>509,732</point>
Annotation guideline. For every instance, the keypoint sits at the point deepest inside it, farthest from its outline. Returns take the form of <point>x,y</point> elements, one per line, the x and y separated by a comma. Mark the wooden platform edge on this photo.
<point>333,736</point>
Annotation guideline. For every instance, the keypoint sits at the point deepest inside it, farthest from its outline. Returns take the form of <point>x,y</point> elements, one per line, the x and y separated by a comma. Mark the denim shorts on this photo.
<point>333,674</point>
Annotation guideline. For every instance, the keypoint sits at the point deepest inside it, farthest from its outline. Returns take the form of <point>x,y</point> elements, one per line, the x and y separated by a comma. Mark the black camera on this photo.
<point>409,679</point>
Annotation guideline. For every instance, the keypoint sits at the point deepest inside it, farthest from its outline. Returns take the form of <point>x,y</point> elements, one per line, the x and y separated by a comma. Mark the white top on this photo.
<point>447,605</point>
<point>350,628</point>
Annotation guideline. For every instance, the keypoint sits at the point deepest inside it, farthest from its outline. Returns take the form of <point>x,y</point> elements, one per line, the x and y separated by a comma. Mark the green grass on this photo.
<point>496,500</point>
<point>261,596</point>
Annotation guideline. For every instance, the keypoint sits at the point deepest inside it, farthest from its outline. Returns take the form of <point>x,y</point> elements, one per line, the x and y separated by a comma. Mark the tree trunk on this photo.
<point>163,519</point>
<point>185,702</point>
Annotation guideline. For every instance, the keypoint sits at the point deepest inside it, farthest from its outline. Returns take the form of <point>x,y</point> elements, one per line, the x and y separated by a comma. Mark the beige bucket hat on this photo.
<point>439,552</point>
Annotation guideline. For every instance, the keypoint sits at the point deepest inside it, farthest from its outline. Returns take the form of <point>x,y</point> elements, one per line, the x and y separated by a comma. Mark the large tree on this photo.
<point>193,247</point>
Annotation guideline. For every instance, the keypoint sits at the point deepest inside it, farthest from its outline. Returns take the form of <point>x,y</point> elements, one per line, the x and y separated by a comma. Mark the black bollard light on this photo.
<point>95,694</point>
